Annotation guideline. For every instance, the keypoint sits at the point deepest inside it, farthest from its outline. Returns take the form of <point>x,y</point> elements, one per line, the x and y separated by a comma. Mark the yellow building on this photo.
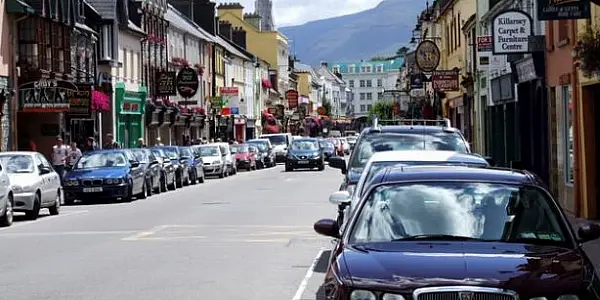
<point>450,17</point>
<point>308,86</point>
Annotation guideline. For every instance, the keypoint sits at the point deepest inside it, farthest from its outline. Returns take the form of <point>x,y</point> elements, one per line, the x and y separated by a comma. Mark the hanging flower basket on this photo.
<point>587,51</point>
<point>200,69</point>
<point>180,62</point>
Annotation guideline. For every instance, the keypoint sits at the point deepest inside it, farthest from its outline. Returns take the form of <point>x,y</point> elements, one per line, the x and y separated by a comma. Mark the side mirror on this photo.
<point>327,227</point>
<point>490,160</point>
<point>338,163</point>
<point>340,197</point>
<point>44,170</point>
<point>588,232</point>
<point>134,163</point>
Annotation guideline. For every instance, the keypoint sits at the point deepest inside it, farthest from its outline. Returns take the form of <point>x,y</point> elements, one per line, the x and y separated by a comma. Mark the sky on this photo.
<point>294,12</point>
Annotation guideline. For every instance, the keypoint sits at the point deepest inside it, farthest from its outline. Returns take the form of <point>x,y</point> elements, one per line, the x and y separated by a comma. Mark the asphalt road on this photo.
<point>245,237</point>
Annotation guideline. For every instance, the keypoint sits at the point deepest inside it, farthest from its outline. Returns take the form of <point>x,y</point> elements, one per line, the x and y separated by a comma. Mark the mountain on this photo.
<point>379,31</point>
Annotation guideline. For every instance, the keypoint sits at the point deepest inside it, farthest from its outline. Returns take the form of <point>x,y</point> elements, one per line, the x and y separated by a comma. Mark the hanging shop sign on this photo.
<point>511,30</point>
<point>166,84</point>
<point>502,89</point>
<point>45,95</point>
<point>80,101</point>
<point>445,81</point>
<point>563,9</point>
<point>427,56</point>
<point>230,100</point>
<point>187,82</point>
<point>416,81</point>
<point>292,98</point>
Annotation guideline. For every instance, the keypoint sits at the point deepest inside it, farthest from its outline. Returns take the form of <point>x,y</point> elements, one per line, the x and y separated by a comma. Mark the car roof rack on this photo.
<point>411,122</point>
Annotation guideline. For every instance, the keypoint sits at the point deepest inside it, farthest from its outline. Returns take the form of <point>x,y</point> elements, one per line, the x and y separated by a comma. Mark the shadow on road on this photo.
<point>320,295</point>
<point>323,262</point>
<point>22,218</point>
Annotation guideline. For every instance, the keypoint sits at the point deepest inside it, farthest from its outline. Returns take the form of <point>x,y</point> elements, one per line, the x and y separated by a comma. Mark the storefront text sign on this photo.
<point>563,9</point>
<point>231,98</point>
<point>445,81</point>
<point>165,84</point>
<point>45,95</point>
<point>80,101</point>
<point>511,30</point>
<point>131,107</point>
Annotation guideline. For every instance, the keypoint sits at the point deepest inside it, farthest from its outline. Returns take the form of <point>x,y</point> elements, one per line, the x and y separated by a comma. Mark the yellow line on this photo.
<point>145,234</point>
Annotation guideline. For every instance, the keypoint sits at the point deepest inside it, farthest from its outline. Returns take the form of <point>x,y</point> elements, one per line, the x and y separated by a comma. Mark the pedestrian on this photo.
<point>141,143</point>
<point>60,153</point>
<point>204,141</point>
<point>90,144</point>
<point>159,142</point>
<point>110,142</point>
<point>74,154</point>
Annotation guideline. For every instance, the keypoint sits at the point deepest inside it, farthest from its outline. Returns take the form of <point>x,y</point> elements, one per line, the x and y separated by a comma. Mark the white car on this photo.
<point>6,199</point>
<point>214,161</point>
<point>34,183</point>
<point>349,199</point>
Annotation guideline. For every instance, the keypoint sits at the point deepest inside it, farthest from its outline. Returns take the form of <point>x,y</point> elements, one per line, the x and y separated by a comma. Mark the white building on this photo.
<point>368,80</point>
<point>335,90</point>
<point>283,64</point>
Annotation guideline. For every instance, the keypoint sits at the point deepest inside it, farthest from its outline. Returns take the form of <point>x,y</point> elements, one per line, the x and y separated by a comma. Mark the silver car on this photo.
<point>6,198</point>
<point>33,181</point>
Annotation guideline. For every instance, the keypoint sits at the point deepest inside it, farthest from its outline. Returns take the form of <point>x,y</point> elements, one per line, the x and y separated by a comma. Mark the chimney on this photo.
<point>239,36</point>
<point>202,12</point>
<point>254,20</point>
<point>225,30</point>
<point>324,64</point>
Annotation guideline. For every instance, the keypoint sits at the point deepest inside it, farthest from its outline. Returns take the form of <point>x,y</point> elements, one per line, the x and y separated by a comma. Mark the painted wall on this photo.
<point>186,46</point>
<point>304,84</point>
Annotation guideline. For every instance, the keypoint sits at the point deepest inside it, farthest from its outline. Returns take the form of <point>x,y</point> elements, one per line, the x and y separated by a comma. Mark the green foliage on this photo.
<point>402,51</point>
<point>327,106</point>
<point>588,51</point>
<point>399,53</point>
<point>382,110</point>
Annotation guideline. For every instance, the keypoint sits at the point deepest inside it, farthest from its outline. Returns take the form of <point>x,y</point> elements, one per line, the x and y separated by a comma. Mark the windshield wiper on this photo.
<point>437,237</point>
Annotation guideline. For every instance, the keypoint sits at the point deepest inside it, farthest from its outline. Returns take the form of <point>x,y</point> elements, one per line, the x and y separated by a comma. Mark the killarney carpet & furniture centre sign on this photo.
<point>511,30</point>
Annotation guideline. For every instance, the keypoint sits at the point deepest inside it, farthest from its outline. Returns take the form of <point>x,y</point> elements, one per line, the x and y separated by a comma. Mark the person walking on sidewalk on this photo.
<point>60,153</point>
<point>110,142</point>
<point>90,145</point>
<point>74,155</point>
<point>141,143</point>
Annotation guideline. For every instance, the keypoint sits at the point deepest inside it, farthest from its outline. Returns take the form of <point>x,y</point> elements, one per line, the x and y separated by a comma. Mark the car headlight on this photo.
<point>362,295</point>
<point>72,183</point>
<point>22,188</point>
<point>392,297</point>
<point>113,181</point>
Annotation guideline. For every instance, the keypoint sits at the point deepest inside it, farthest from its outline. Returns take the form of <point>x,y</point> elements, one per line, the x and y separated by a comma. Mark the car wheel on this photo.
<point>201,179</point>
<point>149,188</point>
<point>7,219</point>
<point>322,167</point>
<point>156,190</point>
<point>249,167</point>
<point>163,183</point>
<point>289,169</point>
<point>144,193</point>
<point>55,209</point>
<point>193,177</point>
<point>179,180</point>
<point>35,212</point>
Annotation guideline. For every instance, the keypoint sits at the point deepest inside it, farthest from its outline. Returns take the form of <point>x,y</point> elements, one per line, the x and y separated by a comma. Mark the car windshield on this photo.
<point>470,210</point>
<point>158,154</point>
<point>276,139</point>
<point>141,156</point>
<point>380,165</point>
<point>326,144</point>
<point>101,159</point>
<point>209,151</point>
<point>185,152</point>
<point>305,145</point>
<point>262,146</point>
<point>239,149</point>
<point>372,143</point>
<point>18,163</point>
<point>171,152</point>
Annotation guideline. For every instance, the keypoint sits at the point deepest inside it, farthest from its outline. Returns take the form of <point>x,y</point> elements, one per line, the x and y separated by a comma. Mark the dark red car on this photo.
<point>459,233</point>
<point>245,156</point>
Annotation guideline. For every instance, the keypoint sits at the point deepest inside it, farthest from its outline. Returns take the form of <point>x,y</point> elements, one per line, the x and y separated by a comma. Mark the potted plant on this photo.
<point>587,51</point>
<point>179,62</point>
<point>200,69</point>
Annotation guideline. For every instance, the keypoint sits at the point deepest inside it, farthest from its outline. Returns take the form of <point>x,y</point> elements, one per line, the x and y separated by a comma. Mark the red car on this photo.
<point>245,156</point>
<point>339,147</point>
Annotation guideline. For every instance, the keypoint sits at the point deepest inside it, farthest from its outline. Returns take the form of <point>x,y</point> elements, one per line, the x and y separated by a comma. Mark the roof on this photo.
<point>306,139</point>
<point>181,22</point>
<point>455,173</point>
<point>230,48</point>
<point>428,156</point>
<point>324,71</point>
<point>299,67</point>
<point>410,129</point>
<point>388,65</point>
<point>18,153</point>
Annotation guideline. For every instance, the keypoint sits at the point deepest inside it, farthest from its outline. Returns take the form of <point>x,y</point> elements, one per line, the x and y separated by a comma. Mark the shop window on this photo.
<point>568,134</point>
<point>563,30</point>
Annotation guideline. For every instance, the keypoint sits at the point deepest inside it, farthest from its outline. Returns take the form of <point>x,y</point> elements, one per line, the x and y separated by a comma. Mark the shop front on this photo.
<point>130,107</point>
<point>501,124</point>
<point>181,127</point>
<point>239,127</point>
<point>79,120</point>
<point>197,122</point>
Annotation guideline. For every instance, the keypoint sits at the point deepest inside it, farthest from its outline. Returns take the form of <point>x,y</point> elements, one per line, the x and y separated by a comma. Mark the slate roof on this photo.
<point>322,70</point>
<point>106,8</point>
<point>231,49</point>
<point>388,65</point>
<point>180,21</point>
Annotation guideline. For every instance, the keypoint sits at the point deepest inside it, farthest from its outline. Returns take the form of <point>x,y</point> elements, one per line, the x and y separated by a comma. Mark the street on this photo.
<point>248,236</point>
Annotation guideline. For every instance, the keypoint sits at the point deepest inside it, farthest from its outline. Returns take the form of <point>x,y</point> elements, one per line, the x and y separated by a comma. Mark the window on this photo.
<point>362,108</point>
<point>379,69</point>
<point>458,35</point>
<point>362,83</point>
<point>379,82</point>
<point>563,30</point>
<point>379,96</point>
<point>351,83</point>
<point>369,107</point>
<point>369,96</point>
<point>351,69</point>
<point>336,69</point>
<point>369,83</point>
<point>362,96</point>
<point>568,134</point>
<point>368,69</point>
<point>363,69</point>
<point>43,44</point>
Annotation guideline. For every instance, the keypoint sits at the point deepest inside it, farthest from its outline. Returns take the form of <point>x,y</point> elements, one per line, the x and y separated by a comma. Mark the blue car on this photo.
<point>182,173</point>
<point>112,174</point>
<point>191,157</point>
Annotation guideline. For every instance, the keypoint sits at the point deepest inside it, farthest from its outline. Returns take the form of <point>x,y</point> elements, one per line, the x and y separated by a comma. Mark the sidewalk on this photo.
<point>592,248</point>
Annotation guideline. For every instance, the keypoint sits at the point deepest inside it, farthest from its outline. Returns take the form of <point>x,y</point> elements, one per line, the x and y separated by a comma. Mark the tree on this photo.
<point>326,106</point>
<point>382,110</point>
<point>402,51</point>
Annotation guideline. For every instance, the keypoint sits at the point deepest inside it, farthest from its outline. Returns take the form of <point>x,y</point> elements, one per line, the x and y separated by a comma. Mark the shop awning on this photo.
<point>18,7</point>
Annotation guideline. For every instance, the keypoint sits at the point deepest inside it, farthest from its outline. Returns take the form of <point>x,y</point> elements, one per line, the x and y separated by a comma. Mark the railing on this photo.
<point>411,122</point>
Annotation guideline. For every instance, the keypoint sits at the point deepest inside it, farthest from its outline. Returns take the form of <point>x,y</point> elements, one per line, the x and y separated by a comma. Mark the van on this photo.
<point>229,162</point>
<point>281,142</point>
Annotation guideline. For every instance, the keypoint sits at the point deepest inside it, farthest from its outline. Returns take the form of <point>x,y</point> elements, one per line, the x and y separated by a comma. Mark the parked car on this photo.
<point>328,148</point>
<point>6,198</point>
<point>228,157</point>
<point>113,174</point>
<point>182,175</point>
<point>454,232</point>
<point>34,183</point>
<point>351,141</point>
<point>305,154</point>
<point>339,147</point>
<point>214,160</point>
<point>167,171</point>
<point>266,152</point>
<point>194,163</point>
<point>345,145</point>
<point>152,170</point>
<point>281,143</point>
<point>245,156</point>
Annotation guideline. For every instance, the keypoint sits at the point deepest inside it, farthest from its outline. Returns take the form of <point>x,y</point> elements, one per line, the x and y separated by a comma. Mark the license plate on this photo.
<point>92,190</point>
<point>303,162</point>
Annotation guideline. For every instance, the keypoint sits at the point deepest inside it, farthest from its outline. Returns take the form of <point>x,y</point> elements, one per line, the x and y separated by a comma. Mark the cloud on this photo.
<point>293,12</point>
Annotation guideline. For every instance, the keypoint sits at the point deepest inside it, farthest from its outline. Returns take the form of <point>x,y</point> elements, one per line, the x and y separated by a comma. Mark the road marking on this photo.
<point>45,218</point>
<point>18,234</point>
<point>145,234</point>
<point>309,274</point>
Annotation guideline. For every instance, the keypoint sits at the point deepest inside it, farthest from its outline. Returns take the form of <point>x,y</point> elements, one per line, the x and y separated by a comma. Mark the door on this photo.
<point>3,187</point>
<point>44,179</point>
<point>137,173</point>
<point>81,129</point>
<point>53,182</point>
